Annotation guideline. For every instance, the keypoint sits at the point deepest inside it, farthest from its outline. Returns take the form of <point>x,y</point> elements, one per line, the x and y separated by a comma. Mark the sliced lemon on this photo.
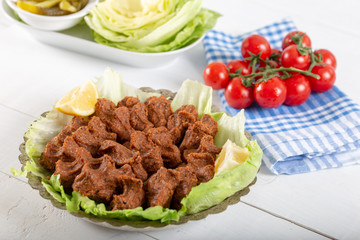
<point>80,101</point>
<point>230,157</point>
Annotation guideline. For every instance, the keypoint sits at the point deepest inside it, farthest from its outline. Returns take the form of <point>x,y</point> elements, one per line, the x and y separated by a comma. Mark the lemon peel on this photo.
<point>230,157</point>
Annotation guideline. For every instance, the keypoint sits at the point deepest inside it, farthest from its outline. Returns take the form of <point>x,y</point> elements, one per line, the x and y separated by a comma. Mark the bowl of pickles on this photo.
<point>51,15</point>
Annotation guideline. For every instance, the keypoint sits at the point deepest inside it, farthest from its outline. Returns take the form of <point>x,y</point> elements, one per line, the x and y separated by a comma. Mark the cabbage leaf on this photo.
<point>150,26</point>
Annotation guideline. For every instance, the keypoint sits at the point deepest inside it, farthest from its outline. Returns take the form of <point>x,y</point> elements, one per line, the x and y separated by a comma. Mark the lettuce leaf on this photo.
<point>111,86</point>
<point>192,92</point>
<point>150,26</point>
<point>225,184</point>
<point>201,197</point>
<point>75,202</point>
<point>43,130</point>
<point>230,127</point>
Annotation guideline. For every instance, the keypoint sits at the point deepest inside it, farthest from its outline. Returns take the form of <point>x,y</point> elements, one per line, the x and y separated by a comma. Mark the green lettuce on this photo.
<point>150,26</point>
<point>230,127</point>
<point>75,202</point>
<point>111,86</point>
<point>201,197</point>
<point>42,131</point>
<point>195,93</point>
<point>225,184</point>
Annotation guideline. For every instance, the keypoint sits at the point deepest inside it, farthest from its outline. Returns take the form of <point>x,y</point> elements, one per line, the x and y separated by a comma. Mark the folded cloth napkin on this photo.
<point>323,132</point>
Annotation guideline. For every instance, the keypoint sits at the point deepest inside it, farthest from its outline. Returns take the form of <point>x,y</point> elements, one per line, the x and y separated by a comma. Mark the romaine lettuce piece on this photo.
<point>225,184</point>
<point>43,130</point>
<point>111,86</point>
<point>195,93</point>
<point>75,202</point>
<point>230,127</point>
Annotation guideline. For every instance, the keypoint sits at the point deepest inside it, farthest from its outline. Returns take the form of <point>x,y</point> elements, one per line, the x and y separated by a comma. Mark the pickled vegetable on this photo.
<point>52,7</point>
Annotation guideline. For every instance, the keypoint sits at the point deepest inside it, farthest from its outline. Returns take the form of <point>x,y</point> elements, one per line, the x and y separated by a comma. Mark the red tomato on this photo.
<point>272,63</point>
<point>237,95</point>
<point>235,65</point>
<point>291,57</point>
<point>298,90</point>
<point>270,94</point>
<point>275,54</point>
<point>287,41</point>
<point>256,44</point>
<point>326,81</point>
<point>327,56</point>
<point>257,71</point>
<point>216,75</point>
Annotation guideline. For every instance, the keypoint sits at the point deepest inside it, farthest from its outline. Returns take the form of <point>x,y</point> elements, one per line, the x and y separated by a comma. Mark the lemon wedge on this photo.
<point>80,101</point>
<point>230,157</point>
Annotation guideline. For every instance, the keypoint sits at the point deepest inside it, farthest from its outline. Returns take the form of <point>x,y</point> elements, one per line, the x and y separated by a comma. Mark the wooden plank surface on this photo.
<point>25,215</point>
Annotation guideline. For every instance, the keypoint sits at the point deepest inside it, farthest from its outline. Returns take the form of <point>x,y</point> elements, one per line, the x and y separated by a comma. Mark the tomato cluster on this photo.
<point>273,77</point>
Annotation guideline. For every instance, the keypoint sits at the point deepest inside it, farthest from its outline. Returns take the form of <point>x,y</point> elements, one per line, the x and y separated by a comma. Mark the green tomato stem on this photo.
<point>307,73</point>
<point>270,71</point>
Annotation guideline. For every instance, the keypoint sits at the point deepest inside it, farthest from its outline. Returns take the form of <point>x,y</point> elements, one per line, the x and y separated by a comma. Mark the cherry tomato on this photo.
<point>256,44</point>
<point>327,56</point>
<point>291,57</point>
<point>235,65</point>
<point>275,54</point>
<point>326,81</point>
<point>216,75</point>
<point>270,94</point>
<point>257,71</point>
<point>272,64</point>
<point>287,41</point>
<point>237,95</point>
<point>298,90</point>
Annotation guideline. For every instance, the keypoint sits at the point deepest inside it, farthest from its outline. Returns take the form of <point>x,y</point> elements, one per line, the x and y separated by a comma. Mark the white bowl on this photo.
<point>51,23</point>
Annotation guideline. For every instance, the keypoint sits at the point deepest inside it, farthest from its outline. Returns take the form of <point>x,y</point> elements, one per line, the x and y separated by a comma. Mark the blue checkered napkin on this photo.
<point>324,132</point>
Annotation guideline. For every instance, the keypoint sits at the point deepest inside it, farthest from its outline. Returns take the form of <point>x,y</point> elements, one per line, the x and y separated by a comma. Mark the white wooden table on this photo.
<point>319,205</point>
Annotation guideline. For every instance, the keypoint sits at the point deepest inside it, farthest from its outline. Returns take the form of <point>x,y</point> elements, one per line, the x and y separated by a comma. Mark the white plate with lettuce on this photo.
<point>138,33</point>
<point>231,180</point>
